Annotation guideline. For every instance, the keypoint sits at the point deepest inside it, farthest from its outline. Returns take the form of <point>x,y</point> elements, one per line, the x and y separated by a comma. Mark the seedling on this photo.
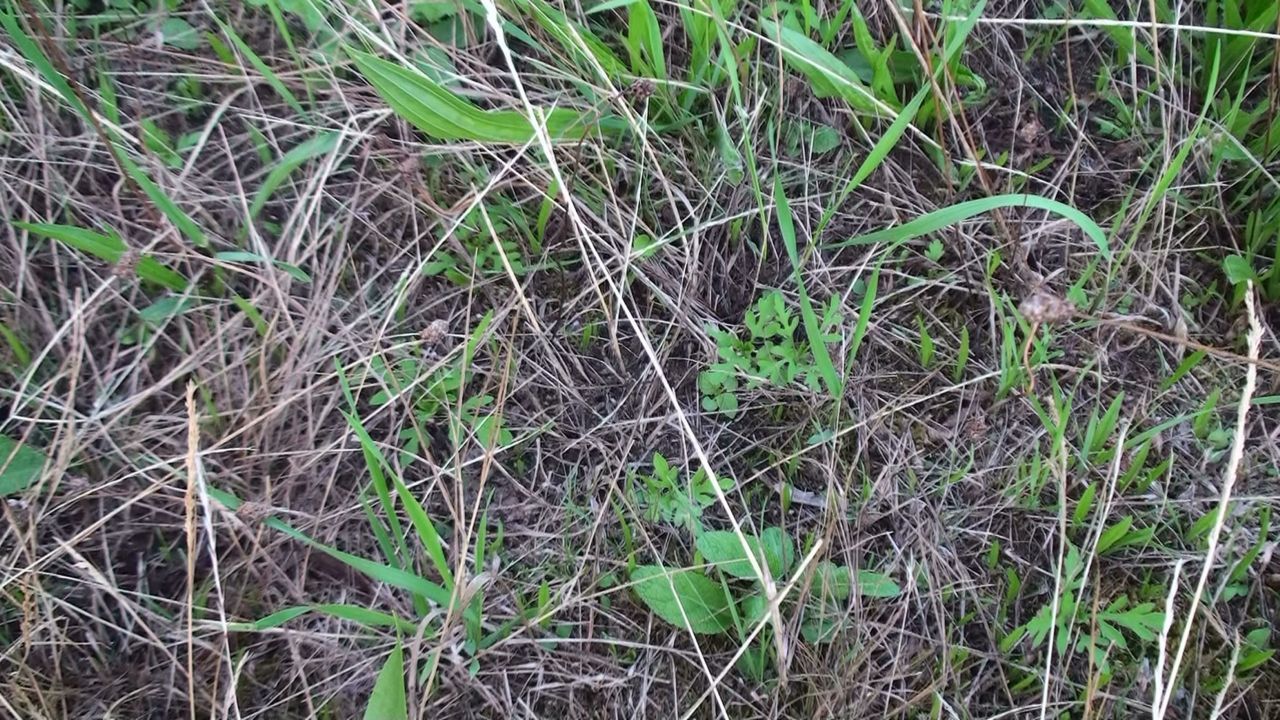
<point>770,354</point>
<point>664,498</point>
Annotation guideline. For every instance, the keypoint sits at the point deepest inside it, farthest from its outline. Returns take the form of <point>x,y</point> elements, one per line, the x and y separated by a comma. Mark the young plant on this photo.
<point>770,353</point>
<point>664,498</point>
<point>441,393</point>
<point>1075,613</point>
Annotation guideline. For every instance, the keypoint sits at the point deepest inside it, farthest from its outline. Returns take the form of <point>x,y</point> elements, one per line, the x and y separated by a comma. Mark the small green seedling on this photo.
<point>770,353</point>
<point>664,498</point>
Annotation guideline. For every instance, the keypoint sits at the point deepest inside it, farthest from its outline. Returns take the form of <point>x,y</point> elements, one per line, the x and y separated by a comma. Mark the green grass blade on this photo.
<point>812,328</point>
<point>439,113</point>
<point>864,315</point>
<point>175,214</point>
<point>355,613</point>
<point>265,70</point>
<point>32,52</point>
<point>944,217</point>
<point>295,158</point>
<point>417,514</point>
<point>289,269</point>
<point>108,248</point>
<point>1175,165</point>
<point>37,57</point>
<point>392,576</point>
<point>889,140</point>
<point>388,700</point>
<point>827,75</point>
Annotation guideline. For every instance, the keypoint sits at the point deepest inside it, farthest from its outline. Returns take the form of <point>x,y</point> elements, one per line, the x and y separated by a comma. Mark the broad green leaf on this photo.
<point>833,581</point>
<point>778,550</point>
<point>752,608</point>
<point>299,154</point>
<point>938,219</point>
<point>388,700</point>
<point>1238,270</point>
<point>683,598</point>
<point>874,584</point>
<point>439,113</point>
<point>20,466</point>
<point>837,581</point>
<point>723,549</point>
<point>108,248</point>
<point>179,33</point>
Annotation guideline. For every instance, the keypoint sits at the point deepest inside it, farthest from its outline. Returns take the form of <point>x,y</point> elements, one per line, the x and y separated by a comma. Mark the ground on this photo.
<point>637,359</point>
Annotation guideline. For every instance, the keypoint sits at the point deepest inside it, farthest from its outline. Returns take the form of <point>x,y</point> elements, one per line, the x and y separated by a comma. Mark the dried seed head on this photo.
<point>126,265</point>
<point>1044,307</point>
<point>642,89</point>
<point>976,426</point>
<point>252,513</point>
<point>434,333</point>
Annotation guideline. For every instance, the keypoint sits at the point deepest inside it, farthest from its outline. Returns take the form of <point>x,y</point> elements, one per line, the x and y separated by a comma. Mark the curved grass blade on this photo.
<point>439,113</point>
<point>812,328</point>
<point>947,216</point>
<point>293,159</point>
<point>828,76</point>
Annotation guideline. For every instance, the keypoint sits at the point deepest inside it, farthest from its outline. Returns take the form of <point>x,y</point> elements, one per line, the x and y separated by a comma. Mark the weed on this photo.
<point>731,602</point>
<point>663,497</point>
<point>768,354</point>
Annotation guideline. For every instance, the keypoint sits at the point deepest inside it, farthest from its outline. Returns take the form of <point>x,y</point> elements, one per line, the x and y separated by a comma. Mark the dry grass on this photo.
<point>119,571</point>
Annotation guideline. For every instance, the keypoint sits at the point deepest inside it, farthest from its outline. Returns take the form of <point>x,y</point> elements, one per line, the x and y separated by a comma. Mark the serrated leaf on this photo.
<point>388,701</point>
<point>684,598</point>
<point>20,466</point>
